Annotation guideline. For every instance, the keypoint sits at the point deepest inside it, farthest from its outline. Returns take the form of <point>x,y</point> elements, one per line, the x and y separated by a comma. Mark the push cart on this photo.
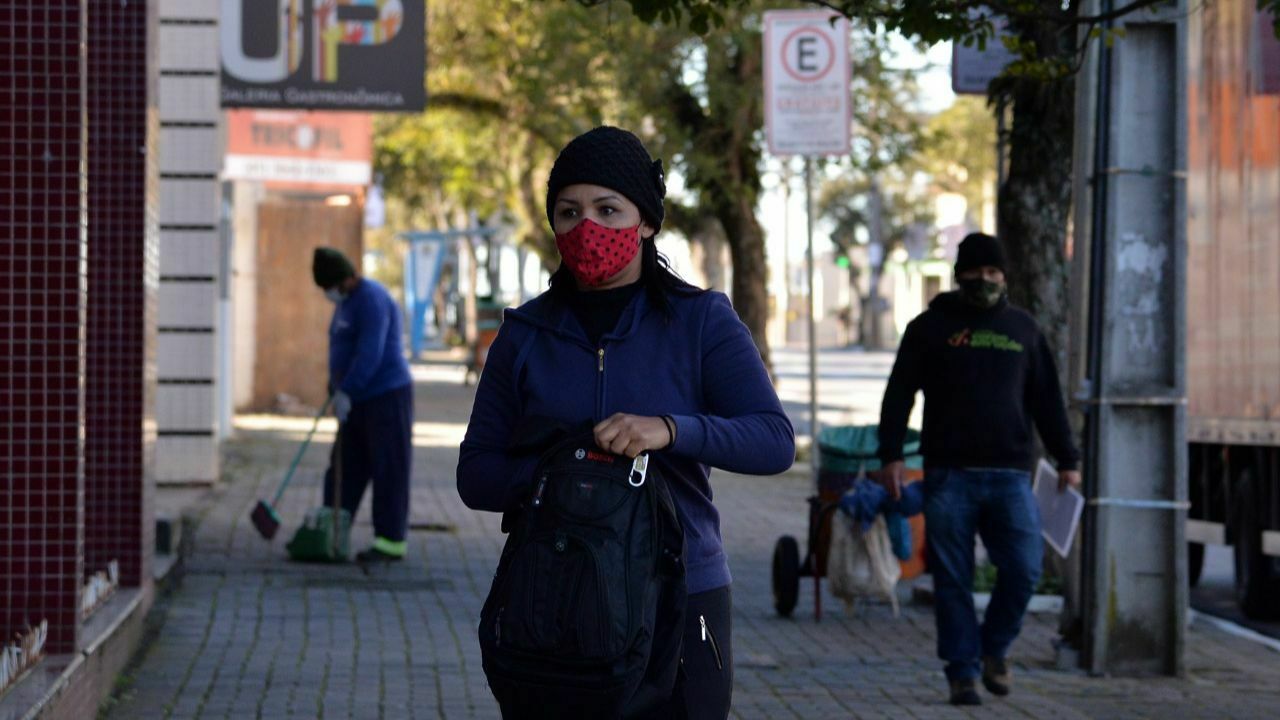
<point>488,320</point>
<point>846,453</point>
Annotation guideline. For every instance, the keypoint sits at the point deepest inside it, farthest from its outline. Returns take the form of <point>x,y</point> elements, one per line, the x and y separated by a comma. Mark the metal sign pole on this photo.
<point>813,326</point>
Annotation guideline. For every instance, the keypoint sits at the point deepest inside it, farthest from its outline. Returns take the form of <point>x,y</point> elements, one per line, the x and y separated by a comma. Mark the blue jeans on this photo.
<point>999,506</point>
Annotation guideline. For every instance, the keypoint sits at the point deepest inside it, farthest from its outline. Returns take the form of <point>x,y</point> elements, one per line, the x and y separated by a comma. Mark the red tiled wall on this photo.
<point>123,277</point>
<point>42,301</point>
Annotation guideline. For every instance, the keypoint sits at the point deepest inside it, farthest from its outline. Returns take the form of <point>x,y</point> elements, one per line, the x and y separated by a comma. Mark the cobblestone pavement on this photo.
<point>246,634</point>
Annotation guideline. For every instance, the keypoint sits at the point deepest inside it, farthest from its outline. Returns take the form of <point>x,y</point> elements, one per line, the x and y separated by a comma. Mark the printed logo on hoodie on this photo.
<point>984,339</point>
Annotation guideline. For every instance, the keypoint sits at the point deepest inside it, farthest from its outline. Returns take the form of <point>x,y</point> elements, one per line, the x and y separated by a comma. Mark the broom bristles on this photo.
<point>265,520</point>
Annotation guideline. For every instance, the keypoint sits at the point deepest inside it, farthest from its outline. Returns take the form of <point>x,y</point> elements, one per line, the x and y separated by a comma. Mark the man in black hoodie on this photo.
<point>988,375</point>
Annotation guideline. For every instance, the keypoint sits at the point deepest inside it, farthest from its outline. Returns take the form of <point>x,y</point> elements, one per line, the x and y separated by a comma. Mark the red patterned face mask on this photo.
<point>595,253</point>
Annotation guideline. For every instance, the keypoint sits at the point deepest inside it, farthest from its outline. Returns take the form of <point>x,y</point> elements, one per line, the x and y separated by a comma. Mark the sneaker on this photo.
<point>374,555</point>
<point>996,676</point>
<point>964,692</point>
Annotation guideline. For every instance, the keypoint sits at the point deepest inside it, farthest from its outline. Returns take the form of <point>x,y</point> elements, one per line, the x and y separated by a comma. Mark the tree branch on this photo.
<point>479,105</point>
<point>1117,13</point>
<point>847,9</point>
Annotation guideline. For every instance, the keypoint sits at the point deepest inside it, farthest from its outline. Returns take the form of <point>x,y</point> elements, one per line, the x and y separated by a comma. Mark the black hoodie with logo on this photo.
<point>987,376</point>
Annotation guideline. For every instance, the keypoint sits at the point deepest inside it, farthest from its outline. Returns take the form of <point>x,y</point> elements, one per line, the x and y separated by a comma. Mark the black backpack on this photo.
<point>586,612</point>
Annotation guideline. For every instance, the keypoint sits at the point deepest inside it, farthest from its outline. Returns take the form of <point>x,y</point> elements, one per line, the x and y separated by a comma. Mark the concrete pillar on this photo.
<point>1135,583</point>
<point>190,246</point>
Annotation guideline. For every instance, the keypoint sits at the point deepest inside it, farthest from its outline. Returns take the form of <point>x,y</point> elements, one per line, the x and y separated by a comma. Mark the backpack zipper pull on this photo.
<point>703,621</point>
<point>537,494</point>
<point>600,354</point>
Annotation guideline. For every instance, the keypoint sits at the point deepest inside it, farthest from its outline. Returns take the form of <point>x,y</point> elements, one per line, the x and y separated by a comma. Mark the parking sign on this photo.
<point>806,83</point>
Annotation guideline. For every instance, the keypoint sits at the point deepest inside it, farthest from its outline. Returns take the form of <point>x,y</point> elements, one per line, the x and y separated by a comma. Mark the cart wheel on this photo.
<point>786,575</point>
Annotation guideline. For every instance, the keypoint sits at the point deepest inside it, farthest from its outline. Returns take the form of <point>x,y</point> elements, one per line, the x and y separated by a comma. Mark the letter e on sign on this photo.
<point>807,76</point>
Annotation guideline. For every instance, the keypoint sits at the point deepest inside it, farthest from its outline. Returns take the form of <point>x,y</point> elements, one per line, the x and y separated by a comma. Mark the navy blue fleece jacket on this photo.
<point>700,366</point>
<point>366,357</point>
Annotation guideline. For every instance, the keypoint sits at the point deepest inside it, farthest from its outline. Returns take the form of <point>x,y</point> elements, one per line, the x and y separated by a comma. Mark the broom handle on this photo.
<point>337,491</point>
<point>298,457</point>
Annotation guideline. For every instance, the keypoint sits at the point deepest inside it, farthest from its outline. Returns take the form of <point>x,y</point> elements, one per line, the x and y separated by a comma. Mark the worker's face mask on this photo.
<point>981,293</point>
<point>334,295</point>
<point>594,253</point>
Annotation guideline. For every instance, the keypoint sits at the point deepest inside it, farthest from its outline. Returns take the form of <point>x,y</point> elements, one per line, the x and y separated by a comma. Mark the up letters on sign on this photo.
<point>324,54</point>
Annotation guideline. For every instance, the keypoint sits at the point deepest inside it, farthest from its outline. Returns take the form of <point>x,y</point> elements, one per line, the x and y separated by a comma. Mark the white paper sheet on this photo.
<point>1059,511</point>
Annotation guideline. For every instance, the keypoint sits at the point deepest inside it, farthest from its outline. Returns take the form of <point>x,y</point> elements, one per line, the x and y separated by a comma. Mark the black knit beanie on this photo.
<point>979,250</point>
<point>613,158</point>
<point>330,267</point>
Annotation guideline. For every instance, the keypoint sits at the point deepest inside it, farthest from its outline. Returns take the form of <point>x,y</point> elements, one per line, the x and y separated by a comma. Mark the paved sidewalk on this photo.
<point>248,635</point>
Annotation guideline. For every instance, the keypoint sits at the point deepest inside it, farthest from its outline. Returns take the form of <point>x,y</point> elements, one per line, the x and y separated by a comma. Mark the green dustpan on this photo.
<point>321,539</point>
<point>325,535</point>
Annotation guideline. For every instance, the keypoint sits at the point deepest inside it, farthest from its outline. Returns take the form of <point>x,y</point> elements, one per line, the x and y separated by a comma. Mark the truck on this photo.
<point>1233,296</point>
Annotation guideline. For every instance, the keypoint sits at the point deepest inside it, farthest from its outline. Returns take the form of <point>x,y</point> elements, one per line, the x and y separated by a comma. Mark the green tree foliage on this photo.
<point>1049,37</point>
<point>876,196</point>
<point>508,83</point>
<point>958,153</point>
<point>702,95</point>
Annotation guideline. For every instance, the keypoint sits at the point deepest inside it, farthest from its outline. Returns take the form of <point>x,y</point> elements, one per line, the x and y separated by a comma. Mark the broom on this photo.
<point>264,515</point>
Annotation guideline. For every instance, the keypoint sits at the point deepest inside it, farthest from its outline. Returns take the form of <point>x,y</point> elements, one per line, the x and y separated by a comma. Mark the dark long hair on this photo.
<point>660,281</point>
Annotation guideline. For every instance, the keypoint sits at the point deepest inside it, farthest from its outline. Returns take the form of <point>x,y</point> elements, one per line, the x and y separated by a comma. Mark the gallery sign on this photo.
<point>324,54</point>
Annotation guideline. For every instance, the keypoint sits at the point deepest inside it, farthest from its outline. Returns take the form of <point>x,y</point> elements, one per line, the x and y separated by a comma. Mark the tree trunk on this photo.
<point>750,272</point>
<point>709,253</point>
<point>1035,199</point>
<point>727,179</point>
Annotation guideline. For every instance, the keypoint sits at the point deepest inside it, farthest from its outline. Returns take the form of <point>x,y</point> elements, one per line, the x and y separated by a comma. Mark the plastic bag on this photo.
<point>862,563</point>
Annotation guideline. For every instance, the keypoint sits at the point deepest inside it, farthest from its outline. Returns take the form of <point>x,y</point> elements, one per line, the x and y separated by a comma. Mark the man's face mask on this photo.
<point>981,292</point>
<point>334,295</point>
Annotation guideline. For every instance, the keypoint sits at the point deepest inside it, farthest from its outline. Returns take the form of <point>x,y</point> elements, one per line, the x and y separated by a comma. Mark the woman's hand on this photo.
<point>631,435</point>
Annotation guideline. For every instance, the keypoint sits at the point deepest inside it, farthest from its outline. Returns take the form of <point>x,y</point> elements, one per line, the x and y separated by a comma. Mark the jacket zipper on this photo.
<point>600,384</point>
<point>708,636</point>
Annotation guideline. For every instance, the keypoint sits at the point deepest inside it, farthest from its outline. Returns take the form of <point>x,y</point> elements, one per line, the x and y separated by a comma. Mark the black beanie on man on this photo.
<point>613,158</point>
<point>979,250</point>
<point>330,267</point>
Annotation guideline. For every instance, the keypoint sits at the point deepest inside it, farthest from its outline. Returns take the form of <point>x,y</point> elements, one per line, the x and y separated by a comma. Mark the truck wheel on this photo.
<point>786,575</point>
<point>1257,581</point>
<point>1195,562</point>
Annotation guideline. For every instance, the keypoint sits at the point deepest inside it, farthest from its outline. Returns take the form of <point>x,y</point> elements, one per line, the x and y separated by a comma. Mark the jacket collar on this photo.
<point>549,313</point>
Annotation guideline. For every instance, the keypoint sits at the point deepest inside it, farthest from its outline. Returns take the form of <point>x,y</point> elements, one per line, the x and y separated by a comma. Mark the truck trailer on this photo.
<point>1233,296</point>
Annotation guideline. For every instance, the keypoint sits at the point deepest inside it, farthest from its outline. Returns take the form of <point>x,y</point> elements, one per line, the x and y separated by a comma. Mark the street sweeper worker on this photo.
<point>372,395</point>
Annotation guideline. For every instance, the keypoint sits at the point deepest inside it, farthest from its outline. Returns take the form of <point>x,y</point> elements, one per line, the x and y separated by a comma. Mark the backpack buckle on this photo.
<point>639,469</point>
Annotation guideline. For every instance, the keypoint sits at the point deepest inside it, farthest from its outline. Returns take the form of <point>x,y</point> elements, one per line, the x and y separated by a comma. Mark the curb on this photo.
<point>922,594</point>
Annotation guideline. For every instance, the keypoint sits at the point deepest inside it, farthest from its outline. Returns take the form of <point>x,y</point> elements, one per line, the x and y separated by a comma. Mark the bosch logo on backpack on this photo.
<point>580,454</point>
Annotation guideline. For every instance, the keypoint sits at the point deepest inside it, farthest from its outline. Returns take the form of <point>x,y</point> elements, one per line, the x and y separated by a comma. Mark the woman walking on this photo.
<point>657,365</point>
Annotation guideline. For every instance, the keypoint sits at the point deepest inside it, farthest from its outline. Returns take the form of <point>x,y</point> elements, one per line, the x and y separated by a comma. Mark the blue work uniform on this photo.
<point>367,362</point>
